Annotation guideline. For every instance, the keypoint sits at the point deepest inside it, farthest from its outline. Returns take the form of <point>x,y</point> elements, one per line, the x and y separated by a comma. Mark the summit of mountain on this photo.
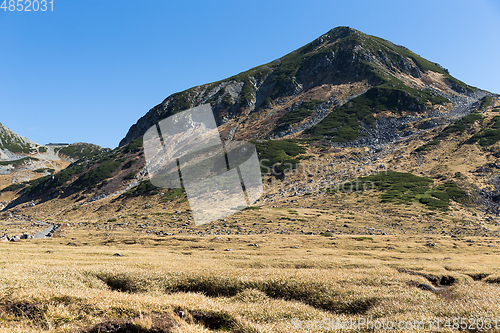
<point>334,88</point>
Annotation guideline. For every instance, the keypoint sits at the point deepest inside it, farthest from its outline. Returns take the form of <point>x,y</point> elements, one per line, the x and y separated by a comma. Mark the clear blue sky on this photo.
<point>88,70</point>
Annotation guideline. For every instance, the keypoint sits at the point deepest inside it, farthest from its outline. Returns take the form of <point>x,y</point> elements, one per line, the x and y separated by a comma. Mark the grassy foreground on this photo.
<point>59,286</point>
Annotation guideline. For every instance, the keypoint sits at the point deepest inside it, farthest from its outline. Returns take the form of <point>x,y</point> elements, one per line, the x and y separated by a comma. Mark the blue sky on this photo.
<point>86,71</point>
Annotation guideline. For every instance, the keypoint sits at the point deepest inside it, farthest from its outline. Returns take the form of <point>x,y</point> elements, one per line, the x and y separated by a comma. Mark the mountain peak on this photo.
<point>266,101</point>
<point>342,31</point>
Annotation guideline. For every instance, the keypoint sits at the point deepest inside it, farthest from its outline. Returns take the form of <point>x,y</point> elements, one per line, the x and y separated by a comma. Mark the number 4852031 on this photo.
<point>27,5</point>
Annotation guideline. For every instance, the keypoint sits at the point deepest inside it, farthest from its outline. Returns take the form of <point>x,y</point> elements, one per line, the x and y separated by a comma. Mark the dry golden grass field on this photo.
<point>247,283</point>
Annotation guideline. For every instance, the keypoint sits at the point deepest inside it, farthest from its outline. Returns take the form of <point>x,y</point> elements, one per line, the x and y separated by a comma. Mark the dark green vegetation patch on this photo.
<point>486,137</point>
<point>485,102</point>
<point>96,175</point>
<point>278,155</point>
<point>14,187</point>
<point>144,188</point>
<point>489,135</point>
<point>428,146</point>
<point>43,170</point>
<point>407,188</point>
<point>49,184</point>
<point>81,150</point>
<point>343,123</point>
<point>133,147</point>
<point>19,162</point>
<point>294,116</point>
<point>462,125</point>
<point>173,194</point>
<point>458,127</point>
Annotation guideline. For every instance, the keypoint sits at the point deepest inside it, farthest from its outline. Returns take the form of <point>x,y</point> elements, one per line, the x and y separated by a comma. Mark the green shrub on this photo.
<point>443,196</point>
<point>43,170</point>
<point>461,125</point>
<point>173,194</point>
<point>406,188</point>
<point>427,146</point>
<point>433,203</point>
<point>495,122</point>
<point>81,150</point>
<point>13,144</point>
<point>129,164</point>
<point>50,184</point>
<point>144,188</point>
<point>485,102</point>
<point>278,153</point>
<point>452,190</point>
<point>13,187</point>
<point>96,175</point>
<point>363,238</point>
<point>305,110</point>
<point>16,163</point>
<point>133,147</point>
<point>486,137</point>
<point>252,208</point>
<point>130,176</point>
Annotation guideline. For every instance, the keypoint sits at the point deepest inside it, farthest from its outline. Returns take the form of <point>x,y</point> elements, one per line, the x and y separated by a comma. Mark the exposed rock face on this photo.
<point>252,104</point>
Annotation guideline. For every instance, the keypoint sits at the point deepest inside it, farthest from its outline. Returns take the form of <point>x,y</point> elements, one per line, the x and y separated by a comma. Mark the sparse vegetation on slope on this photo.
<point>462,125</point>
<point>81,150</point>
<point>277,156</point>
<point>343,123</point>
<point>489,135</point>
<point>459,127</point>
<point>144,188</point>
<point>485,102</point>
<point>427,146</point>
<point>406,188</point>
<point>15,143</point>
<point>19,162</point>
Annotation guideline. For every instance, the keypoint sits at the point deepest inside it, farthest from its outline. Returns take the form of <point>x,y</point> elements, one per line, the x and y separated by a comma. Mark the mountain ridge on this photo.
<point>22,160</point>
<point>343,59</point>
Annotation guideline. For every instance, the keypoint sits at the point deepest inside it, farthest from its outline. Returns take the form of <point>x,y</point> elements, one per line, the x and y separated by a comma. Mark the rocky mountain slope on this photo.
<point>346,106</point>
<point>22,160</point>
<point>12,145</point>
<point>335,88</point>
